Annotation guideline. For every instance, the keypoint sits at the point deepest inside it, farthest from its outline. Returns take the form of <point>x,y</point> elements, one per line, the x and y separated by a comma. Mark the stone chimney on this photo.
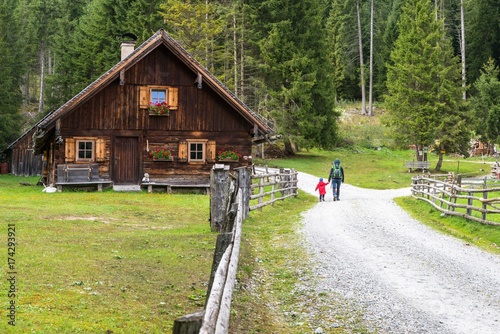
<point>127,48</point>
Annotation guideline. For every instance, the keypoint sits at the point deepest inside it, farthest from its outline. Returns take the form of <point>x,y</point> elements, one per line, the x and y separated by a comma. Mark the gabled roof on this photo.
<point>159,38</point>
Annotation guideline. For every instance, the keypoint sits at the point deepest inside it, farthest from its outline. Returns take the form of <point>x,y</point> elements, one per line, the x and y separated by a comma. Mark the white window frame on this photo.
<point>158,88</point>
<point>203,142</point>
<point>77,149</point>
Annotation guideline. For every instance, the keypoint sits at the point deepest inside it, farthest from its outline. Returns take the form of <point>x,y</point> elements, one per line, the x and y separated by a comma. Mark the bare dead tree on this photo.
<point>361,61</point>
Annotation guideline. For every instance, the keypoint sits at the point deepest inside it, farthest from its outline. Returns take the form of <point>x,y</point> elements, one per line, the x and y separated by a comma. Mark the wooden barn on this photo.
<point>156,112</point>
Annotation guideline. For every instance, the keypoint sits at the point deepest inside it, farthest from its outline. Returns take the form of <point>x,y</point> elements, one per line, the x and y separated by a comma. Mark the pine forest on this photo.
<point>432,64</point>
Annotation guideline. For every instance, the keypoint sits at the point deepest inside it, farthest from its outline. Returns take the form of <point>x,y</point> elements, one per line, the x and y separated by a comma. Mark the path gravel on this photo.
<point>402,276</point>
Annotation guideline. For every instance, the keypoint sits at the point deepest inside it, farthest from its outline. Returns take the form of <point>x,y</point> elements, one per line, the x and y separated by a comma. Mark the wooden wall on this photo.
<point>23,161</point>
<point>114,111</point>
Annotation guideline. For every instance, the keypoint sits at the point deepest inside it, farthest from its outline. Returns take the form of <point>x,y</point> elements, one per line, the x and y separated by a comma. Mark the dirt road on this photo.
<point>401,275</point>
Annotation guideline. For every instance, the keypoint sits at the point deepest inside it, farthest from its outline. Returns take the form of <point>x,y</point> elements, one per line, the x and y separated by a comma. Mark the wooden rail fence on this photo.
<point>270,186</point>
<point>471,199</point>
<point>230,196</point>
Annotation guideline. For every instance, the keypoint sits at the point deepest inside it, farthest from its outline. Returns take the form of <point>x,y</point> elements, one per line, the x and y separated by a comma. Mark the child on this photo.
<point>322,191</point>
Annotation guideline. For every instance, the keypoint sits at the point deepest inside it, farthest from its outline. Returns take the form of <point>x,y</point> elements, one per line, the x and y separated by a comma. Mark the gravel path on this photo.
<point>402,276</point>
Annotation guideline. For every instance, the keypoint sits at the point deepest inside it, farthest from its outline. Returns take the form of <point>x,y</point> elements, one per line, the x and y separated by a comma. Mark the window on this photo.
<point>158,95</point>
<point>85,150</point>
<point>196,151</point>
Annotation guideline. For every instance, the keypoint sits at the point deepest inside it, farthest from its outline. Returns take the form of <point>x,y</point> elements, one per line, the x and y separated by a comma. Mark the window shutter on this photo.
<point>143,97</point>
<point>69,150</point>
<point>211,151</point>
<point>173,101</point>
<point>183,151</point>
<point>100,149</point>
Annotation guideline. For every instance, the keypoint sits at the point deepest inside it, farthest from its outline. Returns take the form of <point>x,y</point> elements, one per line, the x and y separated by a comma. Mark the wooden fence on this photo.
<point>270,186</point>
<point>475,200</point>
<point>230,196</point>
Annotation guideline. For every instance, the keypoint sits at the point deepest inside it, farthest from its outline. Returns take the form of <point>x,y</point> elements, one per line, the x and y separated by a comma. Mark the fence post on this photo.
<point>295,190</point>
<point>485,196</point>
<point>261,192</point>
<point>244,181</point>
<point>434,185</point>
<point>458,185</point>
<point>273,189</point>
<point>188,324</point>
<point>219,196</point>
<point>284,180</point>
<point>469,203</point>
<point>428,188</point>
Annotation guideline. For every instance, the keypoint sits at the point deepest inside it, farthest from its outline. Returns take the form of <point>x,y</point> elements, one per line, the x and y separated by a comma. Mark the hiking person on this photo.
<point>322,189</point>
<point>337,177</point>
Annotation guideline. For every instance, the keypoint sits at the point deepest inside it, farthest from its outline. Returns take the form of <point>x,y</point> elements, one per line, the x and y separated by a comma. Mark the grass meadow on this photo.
<point>384,169</point>
<point>89,262</point>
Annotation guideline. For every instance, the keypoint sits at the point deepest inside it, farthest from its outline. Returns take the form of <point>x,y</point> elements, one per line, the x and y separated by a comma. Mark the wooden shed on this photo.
<point>157,98</point>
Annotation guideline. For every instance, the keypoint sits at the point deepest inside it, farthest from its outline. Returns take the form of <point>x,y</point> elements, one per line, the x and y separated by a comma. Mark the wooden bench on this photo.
<point>78,175</point>
<point>168,185</point>
<point>423,165</point>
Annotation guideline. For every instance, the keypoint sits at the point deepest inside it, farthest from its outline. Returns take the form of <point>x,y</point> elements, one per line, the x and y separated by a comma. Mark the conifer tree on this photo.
<point>424,84</point>
<point>485,103</point>
<point>11,69</point>
<point>482,35</point>
<point>94,46</point>
<point>296,73</point>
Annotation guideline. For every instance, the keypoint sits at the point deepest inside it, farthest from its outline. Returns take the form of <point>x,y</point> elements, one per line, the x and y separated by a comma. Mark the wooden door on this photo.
<point>126,160</point>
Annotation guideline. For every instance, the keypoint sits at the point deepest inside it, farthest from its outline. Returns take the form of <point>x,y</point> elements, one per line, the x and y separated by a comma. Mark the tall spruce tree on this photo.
<point>482,35</point>
<point>485,103</point>
<point>60,82</point>
<point>297,75</point>
<point>94,46</point>
<point>343,49</point>
<point>197,25</point>
<point>424,84</point>
<point>11,69</point>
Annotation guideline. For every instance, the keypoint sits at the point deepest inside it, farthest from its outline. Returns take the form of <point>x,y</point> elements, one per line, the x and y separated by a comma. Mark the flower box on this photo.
<point>228,155</point>
<point>228,160</point>
<point>161,154</point>
<point>164,159</point>
<point>159,109</point>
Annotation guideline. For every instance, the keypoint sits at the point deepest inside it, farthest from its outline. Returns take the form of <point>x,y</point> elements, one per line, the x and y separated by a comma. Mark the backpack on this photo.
<point>336,172</point>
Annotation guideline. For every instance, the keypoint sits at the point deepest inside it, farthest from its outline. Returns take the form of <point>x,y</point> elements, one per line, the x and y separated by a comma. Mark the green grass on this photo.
<point>90,262</point>
<point>383,169</point>
<point>274,292</point>
<point>483,236</point>
<point>375,169</point>
<point>270,257</point>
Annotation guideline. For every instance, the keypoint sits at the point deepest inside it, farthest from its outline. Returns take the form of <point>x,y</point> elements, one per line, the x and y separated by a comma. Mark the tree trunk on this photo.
<point>440,161</point>
<point>290,146</point>
<point>235,56</point>
<point>42,78</point>
<point>242,56</point>
<point>462,49</point>
<point>370,99</point>
<point>206,36</point>
<point>361,61</point>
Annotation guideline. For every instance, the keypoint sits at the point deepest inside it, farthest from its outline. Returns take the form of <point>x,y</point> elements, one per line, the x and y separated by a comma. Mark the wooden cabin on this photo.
<point>158,97</point>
